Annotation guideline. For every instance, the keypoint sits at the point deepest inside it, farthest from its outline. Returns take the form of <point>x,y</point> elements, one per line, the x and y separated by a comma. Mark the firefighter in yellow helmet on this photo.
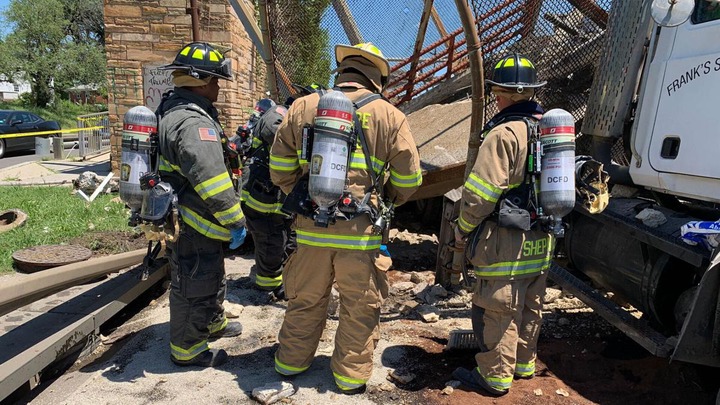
<point>346,252</point>
<point>510,263</point>
<point>191,160</point>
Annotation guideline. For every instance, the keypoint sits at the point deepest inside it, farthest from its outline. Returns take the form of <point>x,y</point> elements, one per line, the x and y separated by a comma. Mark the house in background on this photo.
<point>12,89</point>
<point>86,94</point>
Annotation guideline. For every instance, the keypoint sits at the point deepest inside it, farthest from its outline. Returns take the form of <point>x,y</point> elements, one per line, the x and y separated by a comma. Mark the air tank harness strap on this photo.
<point>363,206</point>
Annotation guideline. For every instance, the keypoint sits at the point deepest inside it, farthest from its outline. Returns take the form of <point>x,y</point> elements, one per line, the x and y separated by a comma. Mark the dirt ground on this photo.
<point>582,359</point>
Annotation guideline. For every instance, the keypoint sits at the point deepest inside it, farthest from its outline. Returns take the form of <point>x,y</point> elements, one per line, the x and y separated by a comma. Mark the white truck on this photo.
<point>654,105</point>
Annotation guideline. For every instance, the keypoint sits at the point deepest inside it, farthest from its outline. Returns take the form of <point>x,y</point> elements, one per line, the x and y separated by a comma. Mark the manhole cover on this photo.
<point>11,219</point>
<point>44,257</point>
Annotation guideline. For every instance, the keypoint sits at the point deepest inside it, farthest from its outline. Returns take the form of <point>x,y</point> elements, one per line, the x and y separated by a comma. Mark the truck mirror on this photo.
<point>671,13</point>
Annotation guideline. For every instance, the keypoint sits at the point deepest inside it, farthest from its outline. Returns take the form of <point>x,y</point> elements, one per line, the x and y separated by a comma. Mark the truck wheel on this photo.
<point>2,148</point>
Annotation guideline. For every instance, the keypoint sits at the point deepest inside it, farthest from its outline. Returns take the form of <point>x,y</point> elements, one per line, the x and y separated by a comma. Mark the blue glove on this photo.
<point>237,237</point>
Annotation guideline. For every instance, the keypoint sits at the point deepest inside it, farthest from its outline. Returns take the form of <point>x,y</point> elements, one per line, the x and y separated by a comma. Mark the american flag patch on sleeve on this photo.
<point>208,134</point>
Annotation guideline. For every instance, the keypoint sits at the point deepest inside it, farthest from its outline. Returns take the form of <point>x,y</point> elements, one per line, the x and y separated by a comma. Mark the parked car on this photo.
<point>13,122</point>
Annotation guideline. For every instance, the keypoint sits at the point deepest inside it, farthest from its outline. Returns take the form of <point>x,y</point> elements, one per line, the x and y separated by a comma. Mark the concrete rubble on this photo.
<point>273,392</point>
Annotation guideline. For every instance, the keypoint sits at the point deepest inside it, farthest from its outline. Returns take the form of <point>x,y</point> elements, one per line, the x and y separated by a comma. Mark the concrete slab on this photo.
<point>53,172</point>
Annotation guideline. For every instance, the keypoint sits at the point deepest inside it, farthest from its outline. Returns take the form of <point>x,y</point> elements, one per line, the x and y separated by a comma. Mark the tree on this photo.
<point>300,44</point>
<point>49,50</point>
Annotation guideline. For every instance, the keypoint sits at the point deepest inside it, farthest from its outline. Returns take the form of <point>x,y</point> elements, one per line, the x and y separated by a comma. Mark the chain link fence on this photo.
<point>564,38</point>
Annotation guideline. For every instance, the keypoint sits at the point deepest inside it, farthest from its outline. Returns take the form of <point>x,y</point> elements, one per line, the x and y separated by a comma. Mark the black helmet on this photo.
<point>201,60</point>
<point>261,108</point>
<point>515,72</point>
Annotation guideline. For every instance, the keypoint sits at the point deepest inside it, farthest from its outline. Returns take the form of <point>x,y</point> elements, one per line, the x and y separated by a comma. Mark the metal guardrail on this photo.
<point>95,138</point>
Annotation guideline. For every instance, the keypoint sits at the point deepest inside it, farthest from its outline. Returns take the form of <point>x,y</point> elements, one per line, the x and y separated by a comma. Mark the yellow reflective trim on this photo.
<point>252,203</point>
<point>526,63</point>
<point>213,57</point>
<point>202,225</point>
<point>214,185</point>
<point>347,383</point>
<point>509,62</point>
<point>284,369</point>
<point>198,54</point>
<point>230,216</point>
<point>464,225</point>
<point>268,281</point>
<point>218,326</point>
<point>185,51</point>
<point>350,242</point>
<point>188,354</point>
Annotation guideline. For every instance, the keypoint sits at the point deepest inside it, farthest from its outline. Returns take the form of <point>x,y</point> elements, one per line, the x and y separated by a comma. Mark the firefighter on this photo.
<point>262,201</point>
<point>345,252</point>
<point>191,160</point>
<point>510,264</point>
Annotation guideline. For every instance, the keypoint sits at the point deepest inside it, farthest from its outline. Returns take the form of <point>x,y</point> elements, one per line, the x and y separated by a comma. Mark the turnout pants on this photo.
<point>197,292</point>
<point>274,242</point>
<point>362,283</point>
<point>506,318</point>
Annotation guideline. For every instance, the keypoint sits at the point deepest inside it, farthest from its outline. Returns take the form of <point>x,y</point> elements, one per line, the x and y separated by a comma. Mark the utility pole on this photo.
<point>348,22</point>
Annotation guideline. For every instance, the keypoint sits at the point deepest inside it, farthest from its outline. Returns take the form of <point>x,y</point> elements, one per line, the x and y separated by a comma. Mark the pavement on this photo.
<point>54,172</point>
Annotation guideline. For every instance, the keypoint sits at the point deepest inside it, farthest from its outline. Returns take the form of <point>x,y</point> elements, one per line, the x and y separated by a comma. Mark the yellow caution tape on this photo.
<point>63,131</point>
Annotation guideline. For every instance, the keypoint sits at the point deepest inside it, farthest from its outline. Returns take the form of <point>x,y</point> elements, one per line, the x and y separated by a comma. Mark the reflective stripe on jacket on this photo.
<point>497,252</point>
<point>192,161</point>
<point>390,143</point>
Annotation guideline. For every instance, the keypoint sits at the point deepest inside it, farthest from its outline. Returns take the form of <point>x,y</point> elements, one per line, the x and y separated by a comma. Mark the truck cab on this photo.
<point>675,139</point>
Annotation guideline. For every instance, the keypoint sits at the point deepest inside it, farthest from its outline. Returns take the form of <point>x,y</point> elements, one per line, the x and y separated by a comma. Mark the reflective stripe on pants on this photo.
<point>308,278</point>
<point>506,318</point>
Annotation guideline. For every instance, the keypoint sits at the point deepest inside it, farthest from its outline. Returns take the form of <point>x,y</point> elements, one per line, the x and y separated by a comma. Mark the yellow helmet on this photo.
<point>365,50</point>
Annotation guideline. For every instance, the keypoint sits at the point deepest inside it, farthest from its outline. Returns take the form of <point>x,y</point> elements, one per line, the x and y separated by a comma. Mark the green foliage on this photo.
<point>55,45</point>
<point>62,111</point>
<point>55,216</point>
<point>299,42</point>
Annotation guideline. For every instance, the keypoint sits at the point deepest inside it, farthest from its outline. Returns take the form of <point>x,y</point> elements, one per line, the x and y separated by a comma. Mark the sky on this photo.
<point>3,6</point>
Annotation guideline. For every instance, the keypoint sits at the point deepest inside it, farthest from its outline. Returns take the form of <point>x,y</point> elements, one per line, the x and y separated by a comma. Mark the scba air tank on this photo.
<point>557,175</point>
<point>138,124</point>
<point>333,139</point>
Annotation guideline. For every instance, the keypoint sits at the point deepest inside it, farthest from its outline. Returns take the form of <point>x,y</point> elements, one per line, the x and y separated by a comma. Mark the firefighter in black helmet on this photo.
<point>191,160</point>
<point>507,298</point>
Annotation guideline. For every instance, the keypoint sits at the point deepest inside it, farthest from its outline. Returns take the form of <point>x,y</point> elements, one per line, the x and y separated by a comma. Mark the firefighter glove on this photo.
<point>237,237</point>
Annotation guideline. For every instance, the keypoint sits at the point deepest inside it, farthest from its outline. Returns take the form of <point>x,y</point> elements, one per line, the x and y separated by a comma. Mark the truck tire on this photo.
<point>2,148</point>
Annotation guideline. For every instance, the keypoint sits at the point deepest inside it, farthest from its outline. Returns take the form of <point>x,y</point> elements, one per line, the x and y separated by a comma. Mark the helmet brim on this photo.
<point>225,75</point>
<point>516,85</point>
<point>344,51</point>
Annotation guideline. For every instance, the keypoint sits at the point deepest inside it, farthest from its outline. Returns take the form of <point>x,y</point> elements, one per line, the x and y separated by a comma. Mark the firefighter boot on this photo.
<point>208,358</point>
<point>474,380</point>
<point>231,330</point>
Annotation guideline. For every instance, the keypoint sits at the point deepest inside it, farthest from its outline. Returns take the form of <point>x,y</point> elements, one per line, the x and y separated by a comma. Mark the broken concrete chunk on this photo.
<point>652,218</point>
<point>551,295</point>
<point>408,306</point>
<point>429,313</point>
<point>416,277</point>
<point>273,392</point>
<point>538,392</point>
<point>562,392</point>
<point>447,390</point>
<point>419,288</point>
<point>404,286</point>
<point>334,303</point>
<point>401,377</point>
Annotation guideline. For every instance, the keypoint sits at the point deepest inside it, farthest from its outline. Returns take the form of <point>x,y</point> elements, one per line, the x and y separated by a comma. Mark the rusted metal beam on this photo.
<point>592,11</point>
<point>348,22</point>
<point>531,12</point>
<point>438,22</point>
<point>194,12</point>
<point>419,39</point>
<point>477,77</point>
<point>21,291</point>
